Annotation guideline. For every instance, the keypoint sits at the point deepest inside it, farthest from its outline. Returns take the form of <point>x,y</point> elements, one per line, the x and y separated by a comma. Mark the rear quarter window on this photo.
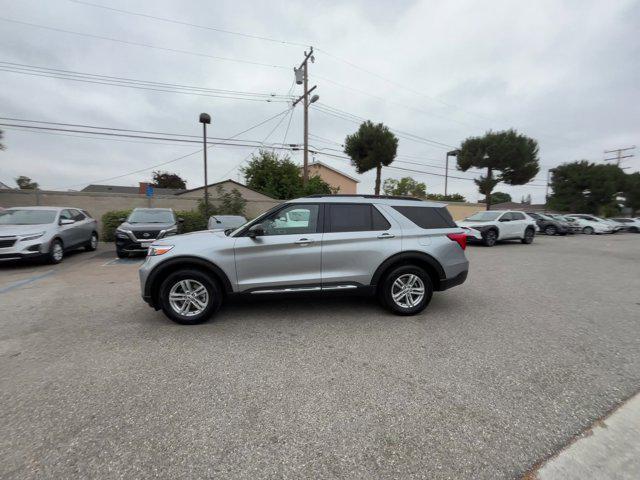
<point>428,217</point>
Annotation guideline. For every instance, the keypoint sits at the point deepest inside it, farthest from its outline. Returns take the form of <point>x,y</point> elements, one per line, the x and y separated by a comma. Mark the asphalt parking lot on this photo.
<point>493,377</point>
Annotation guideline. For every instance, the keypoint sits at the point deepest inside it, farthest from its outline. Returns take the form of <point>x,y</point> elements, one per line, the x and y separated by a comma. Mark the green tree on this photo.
<point>25,183</point>
<point>372,146</point>
<point>498,197</point>
<point>279,177</point>
<point>451,197</point>
<point>586,187</point>
<point>405,187</point>
<point>507,157</point>
<point>168,180</point>
<point>632,192</point>
<point>231,203</point>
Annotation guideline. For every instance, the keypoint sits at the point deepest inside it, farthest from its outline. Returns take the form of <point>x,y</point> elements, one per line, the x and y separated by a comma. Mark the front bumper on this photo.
<point>22,249</point>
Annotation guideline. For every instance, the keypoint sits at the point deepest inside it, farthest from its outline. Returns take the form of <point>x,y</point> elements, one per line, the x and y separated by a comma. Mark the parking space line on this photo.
<point>27,281</point>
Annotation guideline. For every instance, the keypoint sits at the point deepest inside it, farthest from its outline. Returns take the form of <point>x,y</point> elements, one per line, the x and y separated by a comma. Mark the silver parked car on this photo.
<point>400,249</point>
<point>45,232</point>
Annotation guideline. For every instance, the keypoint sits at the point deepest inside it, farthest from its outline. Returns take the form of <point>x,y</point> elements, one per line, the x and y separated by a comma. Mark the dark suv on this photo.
<point>400,249</point>
<point>143,227</point>
<point>549,225</point>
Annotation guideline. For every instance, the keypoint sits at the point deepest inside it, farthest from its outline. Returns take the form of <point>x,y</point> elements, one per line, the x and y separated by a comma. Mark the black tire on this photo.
<point>92,245</point>
<point>121,253</point>
<point>588,230</point>
<point>56,252</point>
<point>550,230</point>
<point>213,291</point>
<point>634,230</point>
<point>490,237</point>
<point>387,289</point>
<point>529,234</point>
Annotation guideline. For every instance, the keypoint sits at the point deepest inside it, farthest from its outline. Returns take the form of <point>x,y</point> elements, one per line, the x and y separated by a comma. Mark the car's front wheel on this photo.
<point>550,230</point>
<point>92,244</point>
<point>406,290</point>
<point>190,297</point>
<point>490,237</point>
<point>529,233</point>
<point>588,230</point>
<point>56,252</point>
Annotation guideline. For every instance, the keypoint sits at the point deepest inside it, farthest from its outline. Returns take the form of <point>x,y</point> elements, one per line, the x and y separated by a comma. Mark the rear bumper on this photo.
<point>447,283</point>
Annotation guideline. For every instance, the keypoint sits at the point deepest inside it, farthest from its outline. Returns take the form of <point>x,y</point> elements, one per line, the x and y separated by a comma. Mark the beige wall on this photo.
<point>97,204</point>
<point>344,184</point>
<point>459,210</point>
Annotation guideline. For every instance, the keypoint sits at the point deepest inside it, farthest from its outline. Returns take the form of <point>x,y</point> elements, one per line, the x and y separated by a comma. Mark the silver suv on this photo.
<point>45,232</point>
<point>399,249</point>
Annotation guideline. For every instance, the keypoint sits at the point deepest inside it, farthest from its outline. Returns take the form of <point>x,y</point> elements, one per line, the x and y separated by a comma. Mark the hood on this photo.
<point>204,237</point>
<point>146,226</point>
<point>9,230</point>
<point>476,225</point>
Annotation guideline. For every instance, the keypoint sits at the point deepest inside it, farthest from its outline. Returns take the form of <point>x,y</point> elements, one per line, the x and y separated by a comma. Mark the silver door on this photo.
<point>357,239</point>
<point>68,233</point>
<point>83,226</point>
<point>286,256</point>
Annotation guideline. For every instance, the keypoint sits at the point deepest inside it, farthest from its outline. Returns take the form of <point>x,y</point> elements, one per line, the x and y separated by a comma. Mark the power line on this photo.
<point>178,22</point>
<point>619,154</point>
<point>140,44</point>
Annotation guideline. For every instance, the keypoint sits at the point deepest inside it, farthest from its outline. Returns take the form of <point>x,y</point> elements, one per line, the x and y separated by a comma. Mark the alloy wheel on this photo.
<point>188,298</point>
<point>94,242</point>
<point>408,290</point>
<point>57,252</point>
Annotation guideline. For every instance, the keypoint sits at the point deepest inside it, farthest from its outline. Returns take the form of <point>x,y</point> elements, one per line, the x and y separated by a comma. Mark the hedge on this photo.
<point>111,221</point>
<point>193,221</point>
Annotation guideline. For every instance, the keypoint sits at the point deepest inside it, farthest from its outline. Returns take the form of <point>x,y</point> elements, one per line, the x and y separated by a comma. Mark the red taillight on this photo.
<point>461,238</point>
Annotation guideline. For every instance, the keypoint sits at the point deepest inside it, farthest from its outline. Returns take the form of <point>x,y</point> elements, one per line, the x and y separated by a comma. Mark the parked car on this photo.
<point>45,232</point>
<point>143,227</point>
<point>496,225</point>
<point>549,225</point>
<point>591,225</point>
<point>401,250</point>
<point>571,222</point>
<point>629,224</point>
<point>225,222</point>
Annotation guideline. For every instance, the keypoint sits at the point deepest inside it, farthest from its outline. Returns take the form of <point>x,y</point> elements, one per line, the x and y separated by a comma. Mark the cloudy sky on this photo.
<point>564,72</point>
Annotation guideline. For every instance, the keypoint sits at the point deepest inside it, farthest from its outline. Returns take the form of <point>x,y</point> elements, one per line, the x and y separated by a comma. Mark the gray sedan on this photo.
<point>45,232</point>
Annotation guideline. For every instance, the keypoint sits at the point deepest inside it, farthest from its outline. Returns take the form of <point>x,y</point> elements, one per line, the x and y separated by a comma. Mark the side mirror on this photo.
<point>256,230</point>
<point>66,221</point>
<point>180,220</point>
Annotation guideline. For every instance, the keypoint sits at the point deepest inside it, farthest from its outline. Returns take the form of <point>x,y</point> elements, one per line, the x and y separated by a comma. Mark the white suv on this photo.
<point>496,225</point>
<point>591,224</point>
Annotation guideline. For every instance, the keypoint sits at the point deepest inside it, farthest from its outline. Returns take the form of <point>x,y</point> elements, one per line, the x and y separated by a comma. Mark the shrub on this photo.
<point>193,221</point>
<point>111,221</point>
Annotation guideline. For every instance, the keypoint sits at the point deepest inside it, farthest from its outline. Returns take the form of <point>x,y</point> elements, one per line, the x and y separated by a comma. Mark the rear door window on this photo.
<point>517,216</point>
<point>428,217</point>
<point>77,215</point>
<point>349,217</point>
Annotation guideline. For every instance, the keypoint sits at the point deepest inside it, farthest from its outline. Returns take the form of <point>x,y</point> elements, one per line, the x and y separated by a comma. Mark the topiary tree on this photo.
<point>507,157</point>
<point>372,146</point>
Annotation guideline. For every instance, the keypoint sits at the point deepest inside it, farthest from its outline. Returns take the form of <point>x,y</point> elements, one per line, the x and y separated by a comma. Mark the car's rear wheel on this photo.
<point>92,244</point>
<point>588,230</point>
<point>406,290</point>
<point>56,252</point>
<point>190,297</point>
<point>550,230</point>
<point>529,233</point>
<point>490,237</point>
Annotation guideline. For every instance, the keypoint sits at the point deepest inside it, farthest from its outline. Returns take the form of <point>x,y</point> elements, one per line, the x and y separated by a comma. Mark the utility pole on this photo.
<point>302,77</point>
<point>205,119</point>
<point>618,154</point>
<point>546,193</point>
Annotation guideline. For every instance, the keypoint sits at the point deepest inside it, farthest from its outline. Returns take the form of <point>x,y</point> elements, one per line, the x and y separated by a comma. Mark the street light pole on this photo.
<point>205,119</point>
<point>452,153</point>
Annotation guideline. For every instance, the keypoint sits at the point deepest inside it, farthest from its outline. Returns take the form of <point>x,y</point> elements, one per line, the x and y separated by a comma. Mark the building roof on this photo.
<point>318,162</point>
<point>133,190</point>
<point>4,186</point>
<point>220,183</point>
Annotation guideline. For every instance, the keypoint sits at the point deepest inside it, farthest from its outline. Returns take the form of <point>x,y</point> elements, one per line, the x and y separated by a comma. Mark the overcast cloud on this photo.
<point>566,73</point>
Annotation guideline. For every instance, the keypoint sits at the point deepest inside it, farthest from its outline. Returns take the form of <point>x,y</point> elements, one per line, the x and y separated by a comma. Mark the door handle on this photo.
<point>386,235</point>
<point>304,241</point>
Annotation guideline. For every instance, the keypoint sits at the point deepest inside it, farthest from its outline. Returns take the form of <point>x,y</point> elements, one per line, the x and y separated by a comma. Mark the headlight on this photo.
<point>170,231</point>
<point>155,250</point>
<point>32,236</point>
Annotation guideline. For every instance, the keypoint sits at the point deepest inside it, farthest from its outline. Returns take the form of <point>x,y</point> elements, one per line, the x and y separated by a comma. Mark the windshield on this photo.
<point>27,217</point>
<point>151,216</point>
<point>483,217</point>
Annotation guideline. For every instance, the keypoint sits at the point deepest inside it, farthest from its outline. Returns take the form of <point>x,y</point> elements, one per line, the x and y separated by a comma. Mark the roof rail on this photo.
<point>388,197</point>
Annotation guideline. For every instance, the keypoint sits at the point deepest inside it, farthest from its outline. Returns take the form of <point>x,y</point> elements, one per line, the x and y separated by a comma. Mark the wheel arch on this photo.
<point>424,260</point>
<point>161,271</point>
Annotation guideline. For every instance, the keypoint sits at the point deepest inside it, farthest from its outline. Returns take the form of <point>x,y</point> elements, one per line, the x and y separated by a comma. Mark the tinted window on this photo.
<point>428,217</point>
<point>77,215</point>
<point>293,219</point>
<point>517,216</point>
<point>379,222</point>
<point>506,217</point>
<point>350,218</point>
